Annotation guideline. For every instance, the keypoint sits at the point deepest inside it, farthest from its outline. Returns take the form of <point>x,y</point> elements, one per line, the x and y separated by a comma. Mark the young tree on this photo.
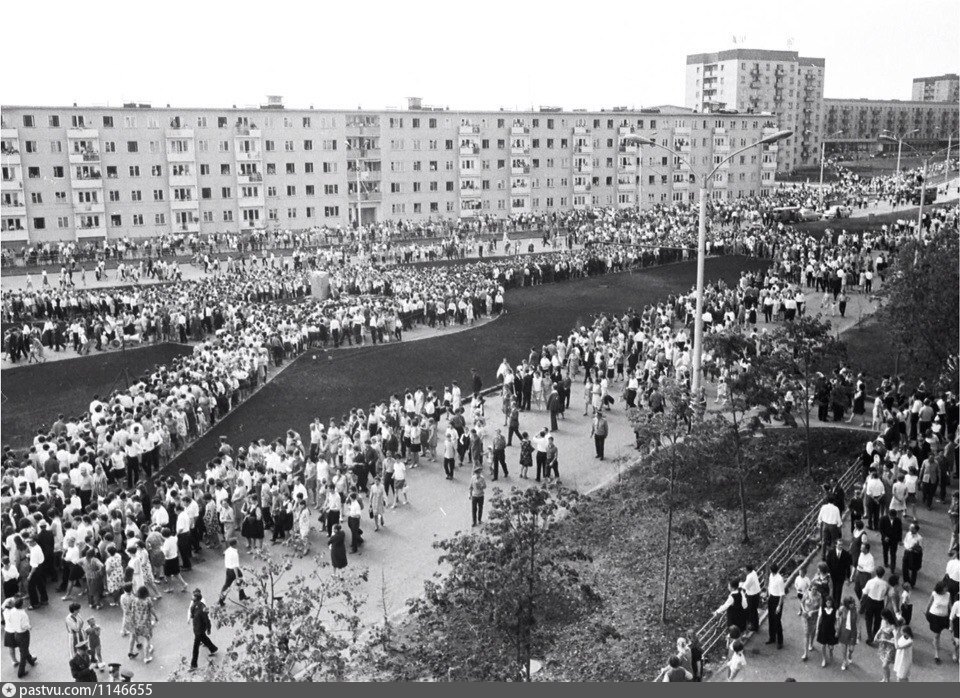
<point>677,430</point>
<point>802,350</point>
<point>294,627</point>
<point>750,378</point>
<point>506,589</point>
<point>920,303</point>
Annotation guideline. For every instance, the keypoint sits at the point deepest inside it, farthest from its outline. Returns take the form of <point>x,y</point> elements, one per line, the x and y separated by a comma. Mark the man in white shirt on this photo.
<point>830,521</point>
<point>874,594</point>
<point>184,536</point>
<point>751,587</point>
<point>873,492</point>
<point>776,593</point>
<point>231,562</point>
<point>17,624</point>
<point>36,583</point>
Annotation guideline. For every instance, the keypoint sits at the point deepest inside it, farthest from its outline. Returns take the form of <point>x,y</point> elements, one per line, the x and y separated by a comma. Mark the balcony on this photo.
<point>521,187</point>
<point>258,201</point>
<point>86,231</point>
<point>192,226</point>
<point>248,132</point>
<point>519,150</point>
<point>249,178</point>
<point>368,196</point>
<point>582,188</point>
<point>11,184</point>
<point>88,207</point>
<point>188,179</point>
<point>470,193</point>
<point>519,130</point>
<point>181,133</point>
<point>468,150</point>
<point>628,148</point>
<point>254,155</point>
<point>524,170</point>
<point>15,234</point>
<point>181,155</point>
<point>184,204</point>
<point>580,131</point>
<point>469,130</point>
<point>86,183</point>
<point>84,157</point>
<point>681,131</point>
<point>83,134</point>
<point>17,207</point>
<point>719,131</point>
<point>585,149</point>
<point>6,133</point>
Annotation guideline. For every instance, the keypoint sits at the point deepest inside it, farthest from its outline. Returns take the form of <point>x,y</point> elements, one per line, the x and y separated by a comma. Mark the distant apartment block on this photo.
<point>862,121</point>
<point>76,173</point>
<point>939,88</point>
<point>751,80</point>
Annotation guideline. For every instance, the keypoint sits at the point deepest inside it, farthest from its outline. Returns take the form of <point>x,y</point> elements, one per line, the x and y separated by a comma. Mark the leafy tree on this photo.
<point>750,378</point>
<point>801,351</point>
<point>507,589</point>
<point>294,627</point>
<point>676,429</point>
<point>920,303</point>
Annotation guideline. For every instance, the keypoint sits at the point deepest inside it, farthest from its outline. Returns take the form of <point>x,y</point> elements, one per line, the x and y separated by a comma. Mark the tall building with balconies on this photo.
<point>939,88</point>
<point>752,80</point>
<point>87,173</point>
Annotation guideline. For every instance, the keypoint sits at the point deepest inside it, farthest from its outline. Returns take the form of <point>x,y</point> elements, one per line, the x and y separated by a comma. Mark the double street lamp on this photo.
<point>886,135</point>
<point>704,181</point>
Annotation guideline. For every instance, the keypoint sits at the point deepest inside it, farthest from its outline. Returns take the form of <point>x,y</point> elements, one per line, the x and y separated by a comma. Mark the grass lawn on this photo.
<point>329,385</point>
<point>624,527</point>
<point>34,395</point>
<point>872,350</point>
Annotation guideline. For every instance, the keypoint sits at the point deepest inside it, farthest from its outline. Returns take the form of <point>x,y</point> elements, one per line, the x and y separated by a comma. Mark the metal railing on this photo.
<point>789,554</point>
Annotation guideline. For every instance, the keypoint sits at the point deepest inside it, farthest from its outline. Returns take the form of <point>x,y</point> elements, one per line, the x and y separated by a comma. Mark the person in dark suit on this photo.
<point>553,406</point>
<point>45,540</point>
<point>839,562</point>
<point>80,665</point>
<point>200,619</point>
<point>338,548</point>
<point>891,535</point>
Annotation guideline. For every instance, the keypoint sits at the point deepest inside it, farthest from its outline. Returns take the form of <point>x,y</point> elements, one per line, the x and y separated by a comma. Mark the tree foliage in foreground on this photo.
<point>921,305</point>
<point>507,588</point>
<point>294,627</point>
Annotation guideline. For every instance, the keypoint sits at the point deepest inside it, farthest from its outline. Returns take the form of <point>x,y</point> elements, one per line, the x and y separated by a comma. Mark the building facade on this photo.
<point>860,122</point>
<point>75,173</point>
<point>752,80</point>
<point>939,88</point>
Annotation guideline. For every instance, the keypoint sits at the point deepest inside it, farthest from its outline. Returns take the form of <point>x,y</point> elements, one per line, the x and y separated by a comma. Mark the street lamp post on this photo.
<point>923,176</point>
<point>704,182</point>
<point>823,156</point>
<point>899,141</point>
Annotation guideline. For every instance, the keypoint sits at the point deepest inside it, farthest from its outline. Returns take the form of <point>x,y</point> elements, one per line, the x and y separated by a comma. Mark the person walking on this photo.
<point>903,660</point>
<point>848,629</point>
<point>231,563</point>
<point>553,406</point>
<point>338,548</point>
<point>476,495</point>
<point>938,615</point>
<point>17,624</point>
<point>599,431</point>
<point>499,455</point>
<point>199,617</point>
<point>827,631</point>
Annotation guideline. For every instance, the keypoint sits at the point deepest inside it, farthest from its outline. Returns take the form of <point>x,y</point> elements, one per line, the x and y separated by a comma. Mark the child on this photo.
<point>93,643</point>
<point>904,656</point>
<point>906,605</point>
<point>800,585</point>
<point>736,663</point>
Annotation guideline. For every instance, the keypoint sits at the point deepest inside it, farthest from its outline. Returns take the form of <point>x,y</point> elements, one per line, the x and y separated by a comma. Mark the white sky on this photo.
<point>482,54</point>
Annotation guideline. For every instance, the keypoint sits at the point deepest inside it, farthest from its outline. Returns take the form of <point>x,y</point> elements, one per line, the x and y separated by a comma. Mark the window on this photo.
<point>228,216</point>
<point>329,167</point>
<point>108,122</point>
<point>225,192</point>
<point>56,147</point>
<point>330,189</point>
<point>308,145</point>
<point>39,223</point>
<point>449,186</point>
<point>394,187</point>
<point>109,147</point>
<point>288,146</point>
<point>158,194</point>
<point>111,172</point>
<point>28,121</point>
<point>224,169</point>
<point>310,211</point>
<point>156,170</point>
<point>204,169</point>
<point>331,211</point>
<point>30,146</point>
<point>134,170</point>
<point>291,190</point>
<point>291,168</point>
<point>306,122</point>
<point>132,147</point>
<point>115,220</point>
<point>159,219</point>
<point>58,172</point>
<point>33,173</point>
<point>61,197</point>
<point>113,195</point>
<point>36,197</point>
<point>205,193</point>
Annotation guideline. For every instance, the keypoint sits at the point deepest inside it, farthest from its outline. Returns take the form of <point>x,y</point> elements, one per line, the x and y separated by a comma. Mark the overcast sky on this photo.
<point>483,54</point>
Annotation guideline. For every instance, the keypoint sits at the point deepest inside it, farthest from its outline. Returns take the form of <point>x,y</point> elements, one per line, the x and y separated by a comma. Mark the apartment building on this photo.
<point>939,88</point>
<point>752,80</point>
<point>75,173</point>
<point>861,121</point>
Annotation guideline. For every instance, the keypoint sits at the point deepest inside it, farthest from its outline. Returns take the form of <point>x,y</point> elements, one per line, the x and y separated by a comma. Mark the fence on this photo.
<point>792,551</point>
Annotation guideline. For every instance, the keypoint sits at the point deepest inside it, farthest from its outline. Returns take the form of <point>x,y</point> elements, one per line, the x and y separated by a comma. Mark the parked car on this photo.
<point>837,211</point>
<point>809,214</point>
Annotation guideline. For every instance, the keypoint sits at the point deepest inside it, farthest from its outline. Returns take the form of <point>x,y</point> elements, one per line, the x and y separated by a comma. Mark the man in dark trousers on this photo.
<point>200,618</point>
<point>499,455</point>
<point>527,389</point>
<point>513,423</point>
<point>80,665</point>
<point>839,562</point>
<point>891,535</point>
<point>553,405</point>
<point>599,430</point>
<point>477,383</point>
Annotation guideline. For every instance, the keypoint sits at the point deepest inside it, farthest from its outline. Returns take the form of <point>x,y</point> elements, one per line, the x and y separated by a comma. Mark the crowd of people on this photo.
<point>88,508</point>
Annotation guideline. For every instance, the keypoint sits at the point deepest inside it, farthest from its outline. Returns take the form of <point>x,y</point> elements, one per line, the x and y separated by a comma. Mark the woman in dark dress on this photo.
<point>338,548</point>
<point>827,630</point>
<point>252,526</point>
